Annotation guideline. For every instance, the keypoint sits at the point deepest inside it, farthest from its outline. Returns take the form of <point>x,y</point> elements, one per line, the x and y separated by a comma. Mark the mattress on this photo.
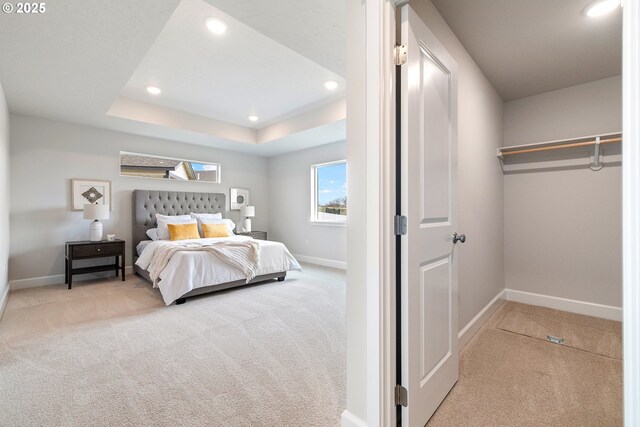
<point>190,270</point>
<point>142,245</point>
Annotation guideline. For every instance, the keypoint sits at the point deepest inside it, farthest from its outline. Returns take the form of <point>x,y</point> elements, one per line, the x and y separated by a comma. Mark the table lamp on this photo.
<point>248,212</point>
<point>96,213</point>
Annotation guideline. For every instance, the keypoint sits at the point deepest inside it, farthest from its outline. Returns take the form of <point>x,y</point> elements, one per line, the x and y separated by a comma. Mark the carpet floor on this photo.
<point>110,353</point>
<point>511,375</point>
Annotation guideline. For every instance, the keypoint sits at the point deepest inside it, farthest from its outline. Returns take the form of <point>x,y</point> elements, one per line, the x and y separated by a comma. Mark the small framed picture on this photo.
<point>90,191</point>
<point>239,197</point>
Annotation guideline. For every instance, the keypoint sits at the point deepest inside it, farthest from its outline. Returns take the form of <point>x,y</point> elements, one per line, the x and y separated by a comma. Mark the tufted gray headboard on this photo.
<point>146,204</point>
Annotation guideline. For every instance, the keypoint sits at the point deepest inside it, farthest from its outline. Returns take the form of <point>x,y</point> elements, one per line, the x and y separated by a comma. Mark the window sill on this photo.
<point>328,223</point>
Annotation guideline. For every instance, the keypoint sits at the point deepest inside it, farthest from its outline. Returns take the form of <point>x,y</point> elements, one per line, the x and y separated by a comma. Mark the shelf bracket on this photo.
<point>596,161</point>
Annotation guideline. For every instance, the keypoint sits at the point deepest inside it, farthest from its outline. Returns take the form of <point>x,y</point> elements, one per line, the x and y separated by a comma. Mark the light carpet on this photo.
<point>510,375</point>
<point>110,353</point>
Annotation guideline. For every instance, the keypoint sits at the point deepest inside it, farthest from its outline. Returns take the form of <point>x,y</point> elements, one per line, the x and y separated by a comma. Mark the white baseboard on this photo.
<point>3,300</point>
<point>570,305</point>
<point>350,420</point>
<point>465,335</point>
<point>57,279</point>
<point>322,261</point>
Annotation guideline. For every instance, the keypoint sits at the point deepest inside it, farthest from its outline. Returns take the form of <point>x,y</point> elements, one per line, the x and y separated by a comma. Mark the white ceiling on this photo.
<point>230,76</point>
<point>71,62</point>
<point>315,29</point>
<point>74,61</point>
<point>526,47</point>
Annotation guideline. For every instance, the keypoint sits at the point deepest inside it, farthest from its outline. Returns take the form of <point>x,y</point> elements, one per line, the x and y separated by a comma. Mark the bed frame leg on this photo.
<point>181,301</point>
<point>281,279</point>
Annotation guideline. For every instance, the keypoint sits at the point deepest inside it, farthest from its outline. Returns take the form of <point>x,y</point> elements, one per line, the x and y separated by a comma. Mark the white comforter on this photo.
<point>191,270</point>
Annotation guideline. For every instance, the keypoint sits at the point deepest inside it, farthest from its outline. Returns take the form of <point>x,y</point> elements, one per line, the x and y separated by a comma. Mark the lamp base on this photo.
<point>95,231</point>
<point>247,225</point>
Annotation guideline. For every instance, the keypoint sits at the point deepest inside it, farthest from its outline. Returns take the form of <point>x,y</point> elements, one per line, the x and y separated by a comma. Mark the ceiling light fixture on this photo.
<point>216,26</point>
<point>331,84</point>
<point>253,118</point>
<point>601,7</point>
<point>153,90</point>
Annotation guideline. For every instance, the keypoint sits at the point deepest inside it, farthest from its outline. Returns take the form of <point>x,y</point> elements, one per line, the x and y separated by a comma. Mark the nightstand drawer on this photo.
<point>97,250</point>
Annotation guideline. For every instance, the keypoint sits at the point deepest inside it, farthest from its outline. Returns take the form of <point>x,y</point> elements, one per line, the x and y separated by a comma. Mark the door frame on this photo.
<point>371,363</point>
<point>631,210</point>
<point>371,324</point>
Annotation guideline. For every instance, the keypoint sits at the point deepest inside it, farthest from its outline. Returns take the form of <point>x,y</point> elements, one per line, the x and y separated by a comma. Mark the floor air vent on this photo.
<point>555,340</point>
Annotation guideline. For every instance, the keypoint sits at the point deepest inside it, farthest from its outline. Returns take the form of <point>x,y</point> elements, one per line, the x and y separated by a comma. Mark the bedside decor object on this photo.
<point>239,198</point>
<point>96,213</point>
<point>87,250</point>
<point>90,191</point>
<point>111,237</point>
<point>247,212</point>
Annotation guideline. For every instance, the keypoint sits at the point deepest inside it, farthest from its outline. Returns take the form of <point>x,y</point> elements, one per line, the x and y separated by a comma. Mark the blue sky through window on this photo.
<point>200,167</point>
<point>332,182</point>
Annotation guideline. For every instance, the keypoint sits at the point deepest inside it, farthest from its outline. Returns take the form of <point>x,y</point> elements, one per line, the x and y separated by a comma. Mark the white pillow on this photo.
<point>230,224</point>
<point>163,226</point>
<point>170,217</point>
<point>206,215</point>
<point>152,233</point>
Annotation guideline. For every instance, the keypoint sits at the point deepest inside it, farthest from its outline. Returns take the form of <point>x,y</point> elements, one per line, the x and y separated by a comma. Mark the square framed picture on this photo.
<point>239,197</point>
<point>89,191</point>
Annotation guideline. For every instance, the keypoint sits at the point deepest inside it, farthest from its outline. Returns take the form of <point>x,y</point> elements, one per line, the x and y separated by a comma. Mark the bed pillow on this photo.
<point>206,215</point>
<point>183,231</point>
<point>230,224</point>
<point>215,230</point>
<point>161,217</point>
<point>152,233</point>
<point>163,229</point>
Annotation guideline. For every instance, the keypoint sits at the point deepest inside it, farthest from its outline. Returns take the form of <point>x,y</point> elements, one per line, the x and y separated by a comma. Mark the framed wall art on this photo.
<point>238,197</point>
<point>89,191</point>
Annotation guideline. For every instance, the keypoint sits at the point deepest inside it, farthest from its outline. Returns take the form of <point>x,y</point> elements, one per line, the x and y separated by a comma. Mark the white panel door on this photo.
<point>429,288</point>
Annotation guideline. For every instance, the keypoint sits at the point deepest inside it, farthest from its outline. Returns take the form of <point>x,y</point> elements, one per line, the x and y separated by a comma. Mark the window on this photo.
<point>329,192</point>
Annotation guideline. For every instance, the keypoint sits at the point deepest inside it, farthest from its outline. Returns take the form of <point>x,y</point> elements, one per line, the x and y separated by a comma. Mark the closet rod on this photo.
<point>559,147</point>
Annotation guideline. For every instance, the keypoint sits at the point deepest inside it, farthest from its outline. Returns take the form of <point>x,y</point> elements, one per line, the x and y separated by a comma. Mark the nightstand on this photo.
<point>260,235</point>
<point>88,250</point>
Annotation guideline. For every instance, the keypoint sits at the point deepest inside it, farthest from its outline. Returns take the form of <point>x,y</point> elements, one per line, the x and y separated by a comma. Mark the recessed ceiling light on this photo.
<point>331,84</point>
<point>216,26</point>
<point>253,118</point>
<point>601,7</point>
<point>153,90</point>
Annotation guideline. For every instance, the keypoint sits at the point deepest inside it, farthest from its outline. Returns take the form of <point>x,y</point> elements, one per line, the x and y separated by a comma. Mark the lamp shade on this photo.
<point>248,211</point>
<point>96,211</point>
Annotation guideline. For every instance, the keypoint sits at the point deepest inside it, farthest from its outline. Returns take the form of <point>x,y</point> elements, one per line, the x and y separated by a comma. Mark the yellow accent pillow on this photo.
<point>183,231</point>
<point>215,230</point>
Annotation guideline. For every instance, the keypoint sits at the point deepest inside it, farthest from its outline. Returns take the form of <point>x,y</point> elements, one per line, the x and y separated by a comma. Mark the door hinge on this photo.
<point>400,225</point>
<point>400,54</point>
<point>401,396</point>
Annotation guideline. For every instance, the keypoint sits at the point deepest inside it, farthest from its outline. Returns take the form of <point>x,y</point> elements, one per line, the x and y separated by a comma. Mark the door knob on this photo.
<point>459,238</point>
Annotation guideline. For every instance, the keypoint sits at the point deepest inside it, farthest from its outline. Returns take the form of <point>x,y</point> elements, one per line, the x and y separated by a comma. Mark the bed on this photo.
<point>195,273</point>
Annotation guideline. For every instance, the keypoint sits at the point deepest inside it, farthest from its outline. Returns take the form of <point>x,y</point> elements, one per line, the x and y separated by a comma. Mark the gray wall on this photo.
<point>575,111</point>
<point>46,155</point>
<point>563,226</point>
<point>289,204</point>
<point>480,181</point>
<point>4,195</point>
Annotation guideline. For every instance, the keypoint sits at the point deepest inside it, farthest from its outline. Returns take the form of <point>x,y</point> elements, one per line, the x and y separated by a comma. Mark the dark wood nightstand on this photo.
<point>86,250</point>
<point>260,235</point>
